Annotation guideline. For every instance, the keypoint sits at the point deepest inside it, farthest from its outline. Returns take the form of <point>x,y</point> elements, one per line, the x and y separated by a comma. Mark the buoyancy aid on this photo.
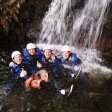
<point>49,63</point>
<point>31,61</point>
<point>52,65</point>
<point>16,69</point>
<point>27,57</point>
<point>71,61</point>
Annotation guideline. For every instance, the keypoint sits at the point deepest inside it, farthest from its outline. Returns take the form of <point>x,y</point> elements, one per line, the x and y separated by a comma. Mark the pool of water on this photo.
<point>89,95</point>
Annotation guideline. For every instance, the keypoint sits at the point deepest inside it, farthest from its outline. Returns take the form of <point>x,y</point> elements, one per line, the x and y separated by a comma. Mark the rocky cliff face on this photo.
<point>16,17</point>
<point>105,44</point>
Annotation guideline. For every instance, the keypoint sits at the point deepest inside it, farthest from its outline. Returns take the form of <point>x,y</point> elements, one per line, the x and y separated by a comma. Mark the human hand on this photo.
<point>23,73</point>
<point>53,57</point>
<point>39,65</point>
<point>11,63</point>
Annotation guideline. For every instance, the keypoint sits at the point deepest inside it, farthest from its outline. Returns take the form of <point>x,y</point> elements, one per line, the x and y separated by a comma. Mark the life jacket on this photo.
<point>31,61</point>
<point>27,57</point>
<point>52,66</point>
<point>16,69</point>
<point>70,62</point>
<point>49,63</point>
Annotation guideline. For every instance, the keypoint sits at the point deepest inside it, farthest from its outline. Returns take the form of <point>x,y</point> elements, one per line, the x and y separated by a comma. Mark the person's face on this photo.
<point>47,53</point>
<point>66,54</point>
<point>44,77</point>
<point>17,59</point>
<point>36,83</point>
<point>31,51</point>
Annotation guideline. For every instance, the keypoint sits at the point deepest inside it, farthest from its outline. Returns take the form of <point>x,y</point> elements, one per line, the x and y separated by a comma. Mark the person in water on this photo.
<point>50,61</point>
<point>23,74</point>
<point>32,56</point>
<point>19,71</point>
<point>44,80</point>
<point>69,59</point>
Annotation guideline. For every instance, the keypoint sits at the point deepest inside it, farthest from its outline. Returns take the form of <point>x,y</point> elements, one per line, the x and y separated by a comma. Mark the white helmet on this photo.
<point>65,48</point>
<point>30,46</point>
<point>47,47</point>
<point>15,53</point>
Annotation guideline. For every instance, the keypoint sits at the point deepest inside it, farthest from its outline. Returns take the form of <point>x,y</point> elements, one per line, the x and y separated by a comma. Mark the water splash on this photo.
<point>82,27</point>
<point>78,29</point>
<point>91,59</point>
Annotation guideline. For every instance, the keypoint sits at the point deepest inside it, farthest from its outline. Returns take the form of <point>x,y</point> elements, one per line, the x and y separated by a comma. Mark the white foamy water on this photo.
<point>88,24</point>
<point>91,58</point>
<point>83,28</point>
<point>54,27</point>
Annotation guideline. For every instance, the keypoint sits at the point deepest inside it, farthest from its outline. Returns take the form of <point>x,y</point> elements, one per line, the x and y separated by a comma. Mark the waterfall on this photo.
<point>84,28</point>
<point>54,28</point>
<point>79,28</point>
<point>87,26</point>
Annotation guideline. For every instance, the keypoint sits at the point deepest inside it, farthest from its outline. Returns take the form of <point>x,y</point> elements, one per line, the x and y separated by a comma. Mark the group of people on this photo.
<point>41,69</point>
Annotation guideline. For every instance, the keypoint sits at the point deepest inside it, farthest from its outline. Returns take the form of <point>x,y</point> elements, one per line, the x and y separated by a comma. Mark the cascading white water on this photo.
<point>90,58</point>
<point>85,30</point>
<point>54,28</point>
<point>88,24</point>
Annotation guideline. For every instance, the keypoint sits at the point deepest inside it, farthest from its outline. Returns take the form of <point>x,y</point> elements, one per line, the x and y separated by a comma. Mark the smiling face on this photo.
<point>66,54</point>
<point>17,59</point>
<point>36,83</point>
<point>32,51</point>
<point>47,53</point>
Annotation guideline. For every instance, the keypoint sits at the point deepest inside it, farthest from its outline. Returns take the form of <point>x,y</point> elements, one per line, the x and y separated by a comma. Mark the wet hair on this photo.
<point>40,72</point>
<point>43,84</point>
